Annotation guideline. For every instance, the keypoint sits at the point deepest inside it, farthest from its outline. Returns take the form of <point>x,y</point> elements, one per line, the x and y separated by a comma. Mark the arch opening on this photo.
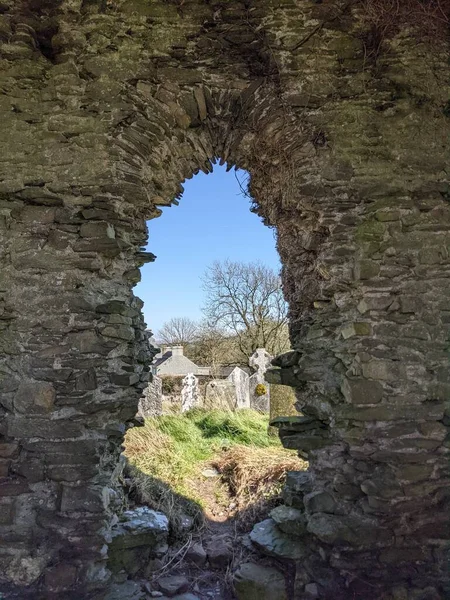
<point>348,160</point>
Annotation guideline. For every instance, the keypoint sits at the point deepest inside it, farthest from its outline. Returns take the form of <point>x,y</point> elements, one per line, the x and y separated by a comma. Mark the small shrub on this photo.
<point>260,389</point>
<point>170,385</point>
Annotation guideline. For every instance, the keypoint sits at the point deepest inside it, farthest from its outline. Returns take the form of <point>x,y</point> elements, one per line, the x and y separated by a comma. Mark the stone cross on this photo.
<point>260,360</point>
<point>190,395</point>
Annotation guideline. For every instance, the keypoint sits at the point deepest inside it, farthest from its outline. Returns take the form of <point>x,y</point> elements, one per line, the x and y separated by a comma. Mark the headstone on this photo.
<point>259,393</point>
<point>190,394</point>
<point>150,405</point>
<point>260,360</point>
<point>259,388</point>
<point>240,378</point>
<point>220,394</point>
<point>282,401</point>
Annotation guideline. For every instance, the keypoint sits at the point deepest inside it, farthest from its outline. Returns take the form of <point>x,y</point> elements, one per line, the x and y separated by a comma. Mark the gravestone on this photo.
<point>220,394</point>
<point>260,361</point>
<point>150,405</point>
<point>190,394</point>
<point>239,379</point>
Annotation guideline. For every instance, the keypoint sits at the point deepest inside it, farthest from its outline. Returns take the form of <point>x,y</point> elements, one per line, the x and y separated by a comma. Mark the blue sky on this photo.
<point>212,222</point>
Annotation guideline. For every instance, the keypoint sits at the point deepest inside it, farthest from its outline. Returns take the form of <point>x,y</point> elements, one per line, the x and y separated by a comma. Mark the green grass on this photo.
<point>172,447</point>
<point>166,455</point>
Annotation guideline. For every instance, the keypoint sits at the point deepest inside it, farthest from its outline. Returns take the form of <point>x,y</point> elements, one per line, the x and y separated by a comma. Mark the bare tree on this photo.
<point>178,331</point>
<point>246,300</point>
<point>212,348</point>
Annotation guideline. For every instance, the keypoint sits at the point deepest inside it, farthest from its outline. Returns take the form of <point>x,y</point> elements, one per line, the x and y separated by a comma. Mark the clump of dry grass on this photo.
<point>430,19</point>
<point>255,477</point>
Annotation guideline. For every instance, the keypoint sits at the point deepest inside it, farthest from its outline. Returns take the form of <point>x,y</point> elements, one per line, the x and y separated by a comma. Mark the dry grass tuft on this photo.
<point>255,477</point>
<point>430,19</point>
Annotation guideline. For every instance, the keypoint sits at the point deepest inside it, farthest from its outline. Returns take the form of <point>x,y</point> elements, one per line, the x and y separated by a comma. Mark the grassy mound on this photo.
<point>166,458</point>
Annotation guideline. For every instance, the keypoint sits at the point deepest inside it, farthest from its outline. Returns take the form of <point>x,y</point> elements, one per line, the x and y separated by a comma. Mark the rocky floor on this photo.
<point>217,563</point>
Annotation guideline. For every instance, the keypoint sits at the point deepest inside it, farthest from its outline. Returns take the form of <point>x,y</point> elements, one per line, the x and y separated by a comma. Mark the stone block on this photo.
<point>36,397</point>
<point>219,551</point>
<point>86,381</point>
<point>38,427</point>
<point>71,473</point>
<point>91,499</point>
<point>355,530</point>
<point>173,584</point>
<point>9,449</point>
<point>139,535</point>
<point>290,520</point>
<point>30,467</point>
<point>61,577</point>
<point>270,540</point>
<point>362,391</point>
<point>405,555</point>
<point>87,342</point>
<point>124,379</point>
<point>384,370</point>
<point>4,467</point>
<point>197,554</point>
<point>13,487</point>
<point>319,502</point>
<point>121,332</point>
<point>411,304</point>
<point>353,329</point>
<point>106,246</point>
<point>432,256</point>
<point>7,513</point>
<point>391,412</point>
<point>257,582</point>
<point>117,307</point>
<point>97,229</point>
<point>377,302</point>
<point>366,269</point>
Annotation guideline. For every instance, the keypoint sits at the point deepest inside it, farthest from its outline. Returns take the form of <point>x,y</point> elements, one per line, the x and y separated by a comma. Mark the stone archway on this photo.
<point>109,106</point>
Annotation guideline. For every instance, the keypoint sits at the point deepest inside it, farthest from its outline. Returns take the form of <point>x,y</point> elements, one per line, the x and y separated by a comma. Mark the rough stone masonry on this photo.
<point>107,106</point>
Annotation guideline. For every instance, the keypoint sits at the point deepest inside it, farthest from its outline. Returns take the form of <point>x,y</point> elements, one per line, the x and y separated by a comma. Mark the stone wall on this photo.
<point>106,107</point>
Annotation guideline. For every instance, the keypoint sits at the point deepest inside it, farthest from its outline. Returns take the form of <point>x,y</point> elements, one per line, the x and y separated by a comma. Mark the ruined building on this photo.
<point>107,106</point>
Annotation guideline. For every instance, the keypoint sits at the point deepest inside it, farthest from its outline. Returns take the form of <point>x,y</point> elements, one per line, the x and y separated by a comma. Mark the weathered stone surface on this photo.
<point>150,405</point>
<point>140,527</point>
<point>129,590</point>
<point>219,552</point>
<point>106,108</point>
<point>255,582</point>
<point>173,584</point>
<point>319,502</point>
<point>269,539</point>
<point>290,520</point>
<point>220,394</point>
<point>240,380</point>
<point>35,398</point>
<point>140,534</point>
<point>197,554</point>
<point>190,393</point>
<point>351,529</point>
<point>361,391</point>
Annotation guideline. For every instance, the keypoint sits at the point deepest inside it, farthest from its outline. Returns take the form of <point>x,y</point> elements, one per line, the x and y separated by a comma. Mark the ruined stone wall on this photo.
<point>106,108</point>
